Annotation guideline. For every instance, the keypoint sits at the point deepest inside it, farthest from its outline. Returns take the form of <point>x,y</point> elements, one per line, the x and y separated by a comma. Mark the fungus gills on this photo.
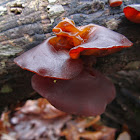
<point>63,78</point>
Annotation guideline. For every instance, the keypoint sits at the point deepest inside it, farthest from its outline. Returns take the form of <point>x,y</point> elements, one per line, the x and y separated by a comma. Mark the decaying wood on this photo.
<point>28,24</point>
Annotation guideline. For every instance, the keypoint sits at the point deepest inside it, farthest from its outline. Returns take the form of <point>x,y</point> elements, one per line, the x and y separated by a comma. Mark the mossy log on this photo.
<point>27,24</point>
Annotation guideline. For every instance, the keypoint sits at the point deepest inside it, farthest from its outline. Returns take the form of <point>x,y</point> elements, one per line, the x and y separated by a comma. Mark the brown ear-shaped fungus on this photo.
<point>87,40</point>
<point>101,42</point>
<point>69,36</point>
<point>87,94</point>
<point>115,3</point>
<point>132,13</point>
<point>47,62</point>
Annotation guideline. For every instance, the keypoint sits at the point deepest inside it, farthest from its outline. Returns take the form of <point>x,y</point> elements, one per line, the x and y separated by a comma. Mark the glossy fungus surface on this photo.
<point>115,3</point>
<point>87,94</point>
<point>87,40</point>
<point>102,42</point>
<point>69,36</point>
<point>47,62</point>
<point>132,13</point>
<point>67,80</point>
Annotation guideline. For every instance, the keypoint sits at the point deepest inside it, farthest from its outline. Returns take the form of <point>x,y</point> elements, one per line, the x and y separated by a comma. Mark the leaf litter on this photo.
<point>39,120</point>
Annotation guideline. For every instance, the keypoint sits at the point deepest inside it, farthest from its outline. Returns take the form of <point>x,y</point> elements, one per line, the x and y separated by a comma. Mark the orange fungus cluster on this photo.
<point>132,12</point>
<point>114,3</point>
<point>61,75</point>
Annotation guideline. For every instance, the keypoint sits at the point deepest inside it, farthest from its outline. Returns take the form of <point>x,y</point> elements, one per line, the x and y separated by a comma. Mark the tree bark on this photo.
<point>19,31</point>
<point>26,27</point>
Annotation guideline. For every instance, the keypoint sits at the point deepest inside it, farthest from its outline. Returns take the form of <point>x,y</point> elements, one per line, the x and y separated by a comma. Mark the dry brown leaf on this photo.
<point>38,120</point>
<point>41,107</point>
<point>77,129</point>
<point>4,123</point>
<point>124,136</point>
<point>35,127</point>
<point>7,137</point>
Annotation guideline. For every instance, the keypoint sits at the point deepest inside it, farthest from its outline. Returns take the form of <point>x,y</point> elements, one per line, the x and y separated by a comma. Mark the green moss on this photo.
<point>6,89</point>
<point>133,65</point>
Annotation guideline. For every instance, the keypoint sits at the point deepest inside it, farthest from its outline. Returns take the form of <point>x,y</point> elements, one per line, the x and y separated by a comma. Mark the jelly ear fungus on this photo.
<point>87,94</point>
<point>62,78</point>
<point>132,12</point>
<point>100,43</point>
<point>115,3</point>
<point>45,61</point>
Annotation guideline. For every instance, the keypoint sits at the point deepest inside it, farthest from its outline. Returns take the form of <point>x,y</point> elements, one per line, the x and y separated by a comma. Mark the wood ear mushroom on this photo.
<point>132,12</point>
<point>62,78</point>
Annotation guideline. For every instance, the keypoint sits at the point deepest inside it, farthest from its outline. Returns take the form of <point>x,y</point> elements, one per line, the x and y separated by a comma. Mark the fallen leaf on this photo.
<point>124,136</point>
<point>39,120</point>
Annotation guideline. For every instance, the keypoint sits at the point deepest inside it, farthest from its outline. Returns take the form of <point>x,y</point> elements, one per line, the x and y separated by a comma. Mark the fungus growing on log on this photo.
<point>115,3</point>
<point>61,75</point>
<point>86,94</point>
<point>47,62</point>
<point>91,39</point>
<point>100,43</point>
<point>132,12</point>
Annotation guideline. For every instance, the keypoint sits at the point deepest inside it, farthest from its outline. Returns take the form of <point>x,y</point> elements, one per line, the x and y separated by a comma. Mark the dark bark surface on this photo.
<point>28,26</point>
